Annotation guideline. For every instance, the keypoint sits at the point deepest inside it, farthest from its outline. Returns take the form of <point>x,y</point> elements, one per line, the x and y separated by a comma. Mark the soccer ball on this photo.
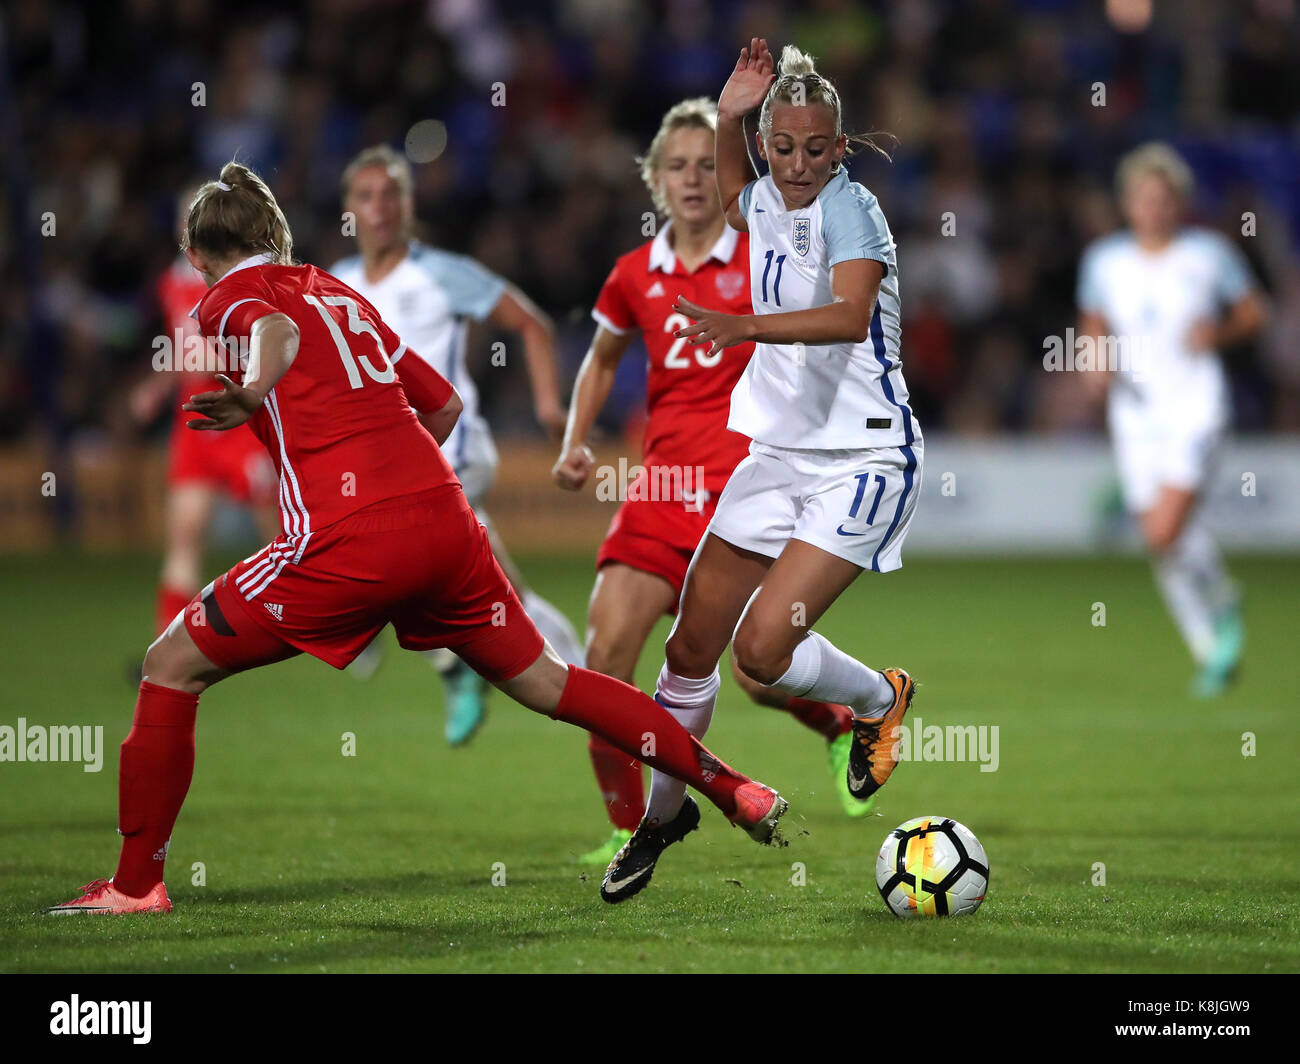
<point>932,866</point>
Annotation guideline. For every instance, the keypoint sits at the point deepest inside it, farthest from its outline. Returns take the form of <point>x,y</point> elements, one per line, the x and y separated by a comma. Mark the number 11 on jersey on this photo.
<point>776,284</point>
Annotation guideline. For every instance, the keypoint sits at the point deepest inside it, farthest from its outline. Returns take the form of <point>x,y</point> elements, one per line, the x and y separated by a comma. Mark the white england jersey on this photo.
<point>821,396</point>
<point>1150,302</point>
<point>428,299</point>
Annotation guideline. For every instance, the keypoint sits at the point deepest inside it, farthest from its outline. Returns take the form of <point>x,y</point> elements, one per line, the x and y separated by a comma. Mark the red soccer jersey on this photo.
<point>337,425</point>
<point>688,393</point>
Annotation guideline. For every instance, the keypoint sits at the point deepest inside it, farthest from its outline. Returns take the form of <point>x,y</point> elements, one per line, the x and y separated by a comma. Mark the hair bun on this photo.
<point>795,63</point>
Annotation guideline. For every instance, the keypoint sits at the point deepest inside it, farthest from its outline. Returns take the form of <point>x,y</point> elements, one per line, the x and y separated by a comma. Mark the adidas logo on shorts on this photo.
<point>275,610</point>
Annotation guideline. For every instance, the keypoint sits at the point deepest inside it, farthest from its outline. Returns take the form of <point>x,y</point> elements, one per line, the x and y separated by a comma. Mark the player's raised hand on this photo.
<point>573,468</point>
<point>224,409</point>
<point>749,82</point>
<point>713,327</point>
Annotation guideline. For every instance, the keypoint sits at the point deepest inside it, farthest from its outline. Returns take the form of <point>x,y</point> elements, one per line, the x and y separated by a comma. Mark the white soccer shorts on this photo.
<point>854,504</point>
<point>1151,455</point>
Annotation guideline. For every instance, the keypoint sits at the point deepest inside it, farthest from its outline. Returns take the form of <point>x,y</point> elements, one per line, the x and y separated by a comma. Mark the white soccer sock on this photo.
<point>1201,554</point>
<point>555,627</point>
<point>822,672</point>
<point>1179,581</point>
<point>691,704</point>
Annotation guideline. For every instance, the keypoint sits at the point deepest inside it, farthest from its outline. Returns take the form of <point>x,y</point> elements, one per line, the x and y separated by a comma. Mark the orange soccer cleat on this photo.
<point>876,740</point>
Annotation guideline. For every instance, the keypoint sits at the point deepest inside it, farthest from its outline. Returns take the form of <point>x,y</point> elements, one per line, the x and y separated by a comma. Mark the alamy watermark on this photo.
<point>1071,353</point>
<point>193,353</point>
<point>77,1017</point>
<point>57,742</point>
<point>655,483</point>
<point>919,741</point>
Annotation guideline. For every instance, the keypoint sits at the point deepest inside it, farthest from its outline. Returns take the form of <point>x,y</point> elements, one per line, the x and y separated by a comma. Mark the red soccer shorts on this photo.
<point>234,462</point>
<point>656,536</point>
<point>420,562</point>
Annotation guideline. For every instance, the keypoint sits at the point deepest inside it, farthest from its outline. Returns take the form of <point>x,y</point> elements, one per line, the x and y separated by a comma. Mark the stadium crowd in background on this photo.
<point>1001,175</point>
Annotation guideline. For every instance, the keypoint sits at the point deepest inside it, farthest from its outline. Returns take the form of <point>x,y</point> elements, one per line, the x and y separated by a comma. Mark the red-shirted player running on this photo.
<point>688,454</point>
<point>200,468</point>
<point>376,530</point>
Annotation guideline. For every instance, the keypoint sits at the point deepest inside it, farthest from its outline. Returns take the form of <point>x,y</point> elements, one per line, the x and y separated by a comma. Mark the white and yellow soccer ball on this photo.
<point>932,866</point>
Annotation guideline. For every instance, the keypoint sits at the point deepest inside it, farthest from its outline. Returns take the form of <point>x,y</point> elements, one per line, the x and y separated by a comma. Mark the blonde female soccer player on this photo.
<point>829,486</point>
<point>1171,296</point>
<point>642,563</point>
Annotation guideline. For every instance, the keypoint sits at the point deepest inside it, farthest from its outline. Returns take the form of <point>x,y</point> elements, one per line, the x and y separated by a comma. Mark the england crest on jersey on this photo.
<point>801,236</point>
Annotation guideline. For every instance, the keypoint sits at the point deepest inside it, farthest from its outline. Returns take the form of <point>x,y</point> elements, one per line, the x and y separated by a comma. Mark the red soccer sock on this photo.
<point>827,719</point>
<point>620,782</point>
<point>170,602</point>
<point>154,773</point>
<point>636,724</point>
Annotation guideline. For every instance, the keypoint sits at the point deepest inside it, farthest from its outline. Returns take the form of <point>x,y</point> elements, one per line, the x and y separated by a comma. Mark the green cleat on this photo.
<point>1220,669</point>
<point>838,749</point>
<point>601,856</point>
<point>466,702</point>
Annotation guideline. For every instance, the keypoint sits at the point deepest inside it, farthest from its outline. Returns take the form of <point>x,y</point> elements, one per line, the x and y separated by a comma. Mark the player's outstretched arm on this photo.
<point>515,312</point>
<point>273,345</point>
<point>590,390</point>
<point>744,91</point>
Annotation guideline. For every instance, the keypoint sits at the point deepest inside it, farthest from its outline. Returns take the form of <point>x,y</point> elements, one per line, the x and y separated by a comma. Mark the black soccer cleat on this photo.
<point>630,871</point>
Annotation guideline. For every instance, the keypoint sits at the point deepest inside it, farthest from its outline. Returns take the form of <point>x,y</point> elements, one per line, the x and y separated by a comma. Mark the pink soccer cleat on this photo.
<point>102,897</point>
<point>758,809</point>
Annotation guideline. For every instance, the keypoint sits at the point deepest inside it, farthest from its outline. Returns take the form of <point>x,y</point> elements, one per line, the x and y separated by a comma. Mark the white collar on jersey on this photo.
<point>835,182</point>
<point>661,251</point>
<point>252,260</point>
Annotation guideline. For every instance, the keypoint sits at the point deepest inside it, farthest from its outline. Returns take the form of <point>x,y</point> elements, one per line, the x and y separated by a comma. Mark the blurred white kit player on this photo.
<point>1158,291</point>
<point>1168,407</point>
<point>429,300</point>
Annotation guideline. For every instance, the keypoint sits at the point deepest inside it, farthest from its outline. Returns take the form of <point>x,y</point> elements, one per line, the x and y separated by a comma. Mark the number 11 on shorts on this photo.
<point>862,488</point>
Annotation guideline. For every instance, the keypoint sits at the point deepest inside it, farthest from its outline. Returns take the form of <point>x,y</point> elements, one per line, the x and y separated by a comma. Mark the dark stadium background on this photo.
<point>990,99</point>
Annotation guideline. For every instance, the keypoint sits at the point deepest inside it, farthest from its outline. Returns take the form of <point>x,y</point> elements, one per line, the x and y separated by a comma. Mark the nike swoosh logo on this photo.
<point>841,531</point>
<point>615,885</point>
<point>759,210</point>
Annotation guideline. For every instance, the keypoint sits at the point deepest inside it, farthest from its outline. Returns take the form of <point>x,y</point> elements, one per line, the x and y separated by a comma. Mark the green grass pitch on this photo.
<point>384,861</point>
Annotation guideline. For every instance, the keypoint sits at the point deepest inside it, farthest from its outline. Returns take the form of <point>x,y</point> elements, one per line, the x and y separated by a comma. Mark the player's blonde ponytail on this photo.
<point>237,214</point>
<point>699,112</point>
<point>799,83</point>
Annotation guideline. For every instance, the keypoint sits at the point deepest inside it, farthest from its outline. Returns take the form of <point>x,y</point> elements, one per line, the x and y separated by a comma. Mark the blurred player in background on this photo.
<point>642,563</point>
<point>1165,298</point>
<point>201,469</point>
<point>429,296</point>
<point>830,483</point>
<point>331,391</point>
